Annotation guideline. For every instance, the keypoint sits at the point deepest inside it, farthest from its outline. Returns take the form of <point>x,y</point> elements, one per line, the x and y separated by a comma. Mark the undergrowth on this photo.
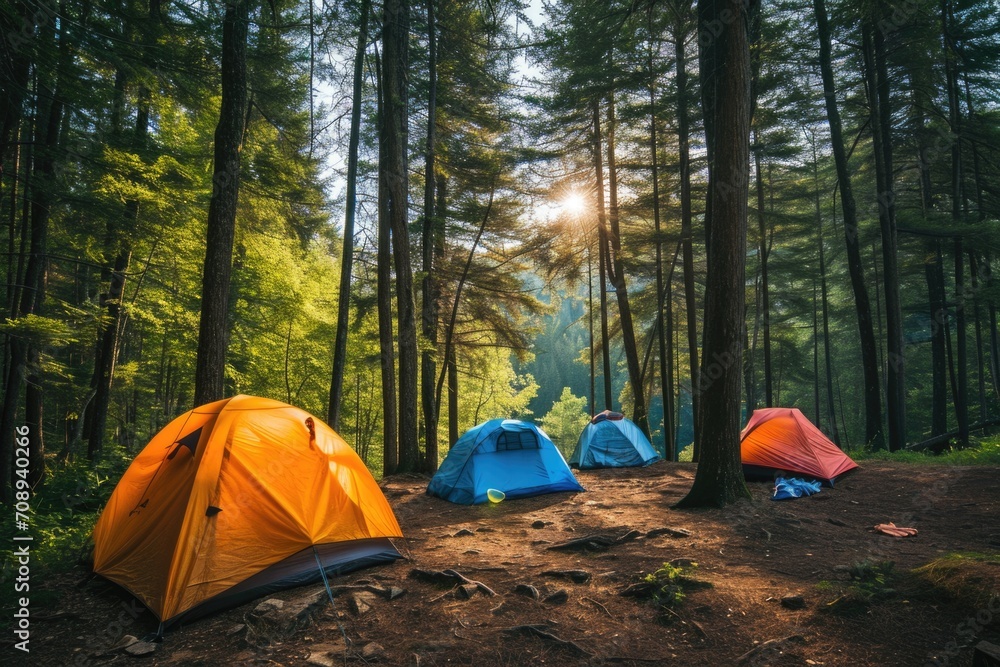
<point>967,577</point>
<point>670,584</point>
<point>60,520</point>
<point>871,581</point>
<point>981,451</point>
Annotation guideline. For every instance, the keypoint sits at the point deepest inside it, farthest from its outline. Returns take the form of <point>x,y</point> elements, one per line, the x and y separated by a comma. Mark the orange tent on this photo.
<point>783,439</point>
<point>236,498</point>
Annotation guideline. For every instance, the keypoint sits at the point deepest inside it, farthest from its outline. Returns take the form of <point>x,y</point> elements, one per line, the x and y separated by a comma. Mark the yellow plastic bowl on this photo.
<point>495,495</point>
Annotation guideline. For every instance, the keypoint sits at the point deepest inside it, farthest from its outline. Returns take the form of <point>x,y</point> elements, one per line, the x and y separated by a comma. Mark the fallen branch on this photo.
<point>770,646</point>
<point>595,542</point>
<point>449,577</point>
<point>939,442</point>
<point>541,633</point>
<point>592,601</point>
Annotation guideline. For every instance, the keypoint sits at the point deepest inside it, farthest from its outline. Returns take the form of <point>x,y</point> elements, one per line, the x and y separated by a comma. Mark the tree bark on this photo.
<point>665,354</point>
<point>830,403</point>
<point>213,333</point>
<point>429,287</point>
<point>855,266</point>
<point>764,251</point>
<point>395,75</point>
<point>347,259</point>
<point>602,240</point>
<point>687,233</point>
<point>961,344</point>
<point>617,273</point>
<point>383,289</point>
<point>877,79</point>
<point>957,200</point>
<point>726,84</point>
<point>934,274</point>
<point>111,331</point>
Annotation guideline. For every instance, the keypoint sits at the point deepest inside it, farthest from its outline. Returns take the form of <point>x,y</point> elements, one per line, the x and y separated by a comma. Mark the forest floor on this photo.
<point>780,573</point>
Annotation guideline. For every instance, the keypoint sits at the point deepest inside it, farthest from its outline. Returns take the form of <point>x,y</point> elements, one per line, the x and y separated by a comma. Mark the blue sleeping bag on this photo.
<point>793,488</point>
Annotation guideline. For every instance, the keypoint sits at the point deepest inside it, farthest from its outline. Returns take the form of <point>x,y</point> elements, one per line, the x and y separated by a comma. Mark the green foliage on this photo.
<point>670,585</point>
<point>969,578</point>
<point>44,331</point>
<point>872,581</point>
<point>983,451</point>
<point>61,519</point>
<point>564,422</point>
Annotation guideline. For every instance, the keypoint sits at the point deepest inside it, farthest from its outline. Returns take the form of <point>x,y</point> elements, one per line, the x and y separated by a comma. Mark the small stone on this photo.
<point>362,602</point>
<point>393,592</point>
<point>682,562</point>
<point>538,524</point>
<point>465,532</point>
<point>793,602</point>
<point>124,643</point>
<point>559,597</point>
<point>320,660</point>
<point>472,552</point>
<point>576,576</point>
<point>142,648</point>
<point>466,591</point>
<point>267,606</point>
<point>527,590</point>
<point>235,629</point>
<point>482,529</point>
<point>372,651</point>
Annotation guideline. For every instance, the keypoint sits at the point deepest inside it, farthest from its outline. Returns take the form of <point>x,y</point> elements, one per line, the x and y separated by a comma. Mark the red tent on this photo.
<point>783,439</point>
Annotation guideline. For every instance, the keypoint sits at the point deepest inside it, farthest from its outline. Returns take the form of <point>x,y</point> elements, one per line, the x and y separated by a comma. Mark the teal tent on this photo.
<point>508,455</point>
<point>611,441</point>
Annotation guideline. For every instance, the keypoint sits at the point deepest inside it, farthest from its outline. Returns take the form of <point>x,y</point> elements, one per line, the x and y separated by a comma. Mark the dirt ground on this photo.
<point>753,554</point>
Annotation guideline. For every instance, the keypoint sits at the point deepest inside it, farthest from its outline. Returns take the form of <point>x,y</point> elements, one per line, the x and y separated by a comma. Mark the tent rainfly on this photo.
<point>783,439</point>
<point>235,499</point>
<point>612,441</point>
<point>507,455</point>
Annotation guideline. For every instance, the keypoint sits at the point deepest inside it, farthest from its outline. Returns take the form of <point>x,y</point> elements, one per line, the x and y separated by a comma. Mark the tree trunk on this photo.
<point>395,73</point>
<point>831,407</point>
<point>862,307</point>
<point>719,478</point>
<point>687,234</point>
<point>429,288</point>
<point>962,400</point>
<point>347,261</point>
<point>383,261</point>
<point>818,414</point>
<point>602,240</point>
<point>213,334</point>
<point>663,333</point>
<point>110,332</point>
<point>452,399</point>
<point>957,199</point>
<point>16,32</point>
<point>974,270</point>
<point>616,270</point>
<point>25,358</point>
<point>934,274</point>
<point>765,286</point>
<point>877,79</point>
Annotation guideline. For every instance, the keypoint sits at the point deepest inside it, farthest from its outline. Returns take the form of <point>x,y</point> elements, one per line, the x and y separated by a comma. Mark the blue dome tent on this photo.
<point>509,455</point>
<point>611,441</point>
